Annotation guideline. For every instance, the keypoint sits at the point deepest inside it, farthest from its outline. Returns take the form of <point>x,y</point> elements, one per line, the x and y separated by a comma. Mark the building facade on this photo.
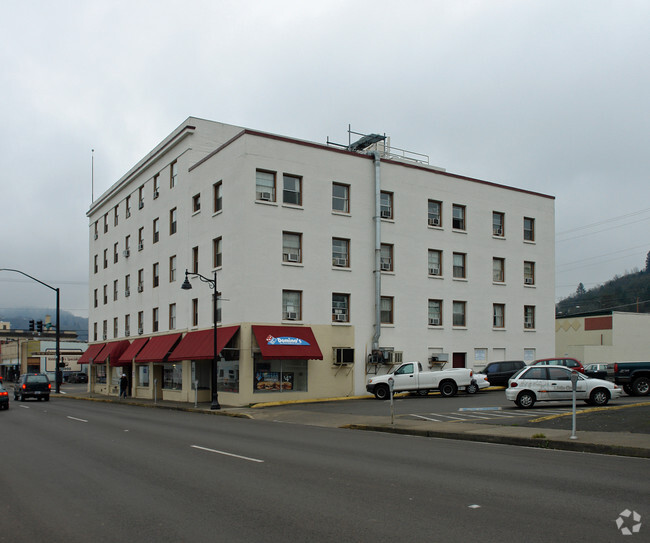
<point>372,258</point>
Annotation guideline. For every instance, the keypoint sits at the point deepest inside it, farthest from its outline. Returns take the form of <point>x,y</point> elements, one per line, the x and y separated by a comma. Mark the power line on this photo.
<point>605,221</point>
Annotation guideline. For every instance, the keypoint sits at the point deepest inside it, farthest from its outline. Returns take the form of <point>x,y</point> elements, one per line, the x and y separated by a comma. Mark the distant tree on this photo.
<point>580,290</point>
<point>647,263</point>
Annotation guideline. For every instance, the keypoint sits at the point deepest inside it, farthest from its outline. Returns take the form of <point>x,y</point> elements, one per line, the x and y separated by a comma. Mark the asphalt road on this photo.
<point>83,471</point>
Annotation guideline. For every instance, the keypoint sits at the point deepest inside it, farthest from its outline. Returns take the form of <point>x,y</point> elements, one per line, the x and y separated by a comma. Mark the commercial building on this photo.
<point>613,337</point>
<point>332,263</point>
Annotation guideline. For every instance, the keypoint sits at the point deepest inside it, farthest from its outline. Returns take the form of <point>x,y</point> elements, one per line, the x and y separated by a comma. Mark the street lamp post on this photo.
<point>213,285</point>
<point>58,328</point>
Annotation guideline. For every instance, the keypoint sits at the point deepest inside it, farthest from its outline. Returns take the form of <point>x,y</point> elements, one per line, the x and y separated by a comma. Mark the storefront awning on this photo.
<point>287,343</point>
<point>199,345</point>
<point>112,351</point>
<point>91,353</point>
<point>131,351</point>
<point>157,348</point>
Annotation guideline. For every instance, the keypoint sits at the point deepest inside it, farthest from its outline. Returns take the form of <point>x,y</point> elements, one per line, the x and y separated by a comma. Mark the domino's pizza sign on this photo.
<point>286,340</point>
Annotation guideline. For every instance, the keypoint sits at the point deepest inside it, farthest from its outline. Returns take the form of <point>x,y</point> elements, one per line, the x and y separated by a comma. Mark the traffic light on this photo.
<point>31,325</point>
<point>39,327</point>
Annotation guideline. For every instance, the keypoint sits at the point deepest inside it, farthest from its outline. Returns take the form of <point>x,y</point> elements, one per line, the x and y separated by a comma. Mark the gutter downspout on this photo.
<point>377,270</point>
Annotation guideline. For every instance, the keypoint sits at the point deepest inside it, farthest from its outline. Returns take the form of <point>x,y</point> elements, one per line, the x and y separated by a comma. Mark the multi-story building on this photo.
<point>367,257</point>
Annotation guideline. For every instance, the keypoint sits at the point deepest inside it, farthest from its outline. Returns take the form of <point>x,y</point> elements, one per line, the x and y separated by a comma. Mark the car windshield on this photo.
<point>519,372</point>
<point>37,379</point>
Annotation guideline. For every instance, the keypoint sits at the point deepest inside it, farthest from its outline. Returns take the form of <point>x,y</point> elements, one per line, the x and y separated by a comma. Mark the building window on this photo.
<point>172,376</point>
<point>140,322</point>
<point>195,311</point>
<point>458,217</point>
<point>498,315</point>
<point>460,270</point>
<point>217,196</point>
<point>387,306</point>
<point>115,290</point>
<point>341,252</point>
<point>529,229</point>
<point>104,329</point>
<point>172,221</point>
<point>127,325</point>
<point>156,186</point>
<point>386,258</point>
<point>291,247</point>
<point>172,316</point>
<point>115,251</point>
<point>435,262</point>
<point>216,252</point>
<point>105,258</point>
<point>435,312</point>
<point>172,269</point>
<point>195,260</point>
<point>341,197</point>
<point>459,313</point>
<point>96,298</point>
<point>386,205</point>
<point>291,305</point>
<point>435,213</point>
<point>156,274</point>
<point>340,307</point>
<point>156,230</point>
<point>105,294</point>
<point>140,280</point>
<point>115,216</point>
<point>94,331</point>
<point>140,238</point>
<point>96,263</point>
<point>196,203</point>
<point>173,173</point>
<point>127,286</point>
<point>498,270</point>
<point>529,316</point>
<point>529,273</point>
<point>116,331</point>
<point>127,243</point>
<point>292,189</point>
<point>127,213</point>
<point>96,233</point>
<point>154,319</point>
<point>265,186</point>
<point>498,224</point>
<point>105,223</point>
<point>141,197</point>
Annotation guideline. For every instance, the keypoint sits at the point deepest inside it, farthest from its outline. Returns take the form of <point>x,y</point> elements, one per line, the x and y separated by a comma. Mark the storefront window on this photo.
<point>280,376</point>
<point>173,376</point>
<point>143,376</point>
<point>201,373</point>
<point>228,380</point>
<point>100,374</point>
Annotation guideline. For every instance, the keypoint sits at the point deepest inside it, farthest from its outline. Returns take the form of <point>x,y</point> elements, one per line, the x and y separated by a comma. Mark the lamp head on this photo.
<point>186,284</point>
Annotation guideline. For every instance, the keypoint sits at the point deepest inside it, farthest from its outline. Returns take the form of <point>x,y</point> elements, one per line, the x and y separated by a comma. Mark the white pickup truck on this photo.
<point>409,377</point>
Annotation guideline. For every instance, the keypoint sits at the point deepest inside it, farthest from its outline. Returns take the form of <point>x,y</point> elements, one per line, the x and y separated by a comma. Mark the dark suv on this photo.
<point>32,385</point>
<point>498,373</point>
<point>77,377</point>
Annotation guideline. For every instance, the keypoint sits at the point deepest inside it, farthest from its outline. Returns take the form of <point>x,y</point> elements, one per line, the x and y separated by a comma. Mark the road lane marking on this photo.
<point>75,418</point>
<point>227,454</point>
<point>426,418</point>
<point>24,406</point>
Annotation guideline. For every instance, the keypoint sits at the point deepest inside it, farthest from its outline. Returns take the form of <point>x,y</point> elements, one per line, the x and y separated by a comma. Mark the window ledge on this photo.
<point>459,328</point>
<point>436,327</point>
<point>461,279</point>
<point>435,276</point>
<point>217,213</point>
<point>341,213</point>
<point>296,321</point>
<point>341,268</point>
<point>195,213</point>
<point>266,203</point>
<point>388,220</point>
<point>293,264</point>
<point>387,325</point>
<point>502,238</point>
<point>293,206</point>
<point>499,283</point>
<point>458,231</point>
<point>530,286</point>
<point>388,272</point>
<point>530,330</point>
<point>495,329</point>
<point>431,227</point>
<point>341,323</point>
<point>529,242</point>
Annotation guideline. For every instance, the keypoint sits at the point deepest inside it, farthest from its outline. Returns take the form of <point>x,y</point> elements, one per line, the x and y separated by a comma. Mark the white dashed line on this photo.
<point>227,454</point>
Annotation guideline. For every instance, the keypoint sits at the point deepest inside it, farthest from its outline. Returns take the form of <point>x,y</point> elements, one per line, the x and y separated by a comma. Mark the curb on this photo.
<point>574,446</point>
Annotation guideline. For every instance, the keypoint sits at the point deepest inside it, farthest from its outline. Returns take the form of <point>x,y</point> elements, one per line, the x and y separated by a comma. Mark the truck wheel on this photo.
<point>599,397</point>
<point>641,386</point>
<point>628,390</point>
<point>448,389</point>
<point>472,389</point>
<point>526,399</point>
<point>382,392</point>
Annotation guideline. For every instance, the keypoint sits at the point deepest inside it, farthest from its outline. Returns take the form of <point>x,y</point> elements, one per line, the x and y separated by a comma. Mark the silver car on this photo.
<point>544,383</point>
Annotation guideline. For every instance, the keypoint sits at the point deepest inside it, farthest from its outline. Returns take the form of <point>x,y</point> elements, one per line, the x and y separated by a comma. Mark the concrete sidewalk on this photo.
<point>614,443</point>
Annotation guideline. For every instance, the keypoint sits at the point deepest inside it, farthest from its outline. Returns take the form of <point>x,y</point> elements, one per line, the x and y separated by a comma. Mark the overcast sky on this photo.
<point>551,96</point>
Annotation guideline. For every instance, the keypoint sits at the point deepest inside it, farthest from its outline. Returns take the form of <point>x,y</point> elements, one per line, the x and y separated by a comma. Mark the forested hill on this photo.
<point>19,319</point>
<point>630,293</point>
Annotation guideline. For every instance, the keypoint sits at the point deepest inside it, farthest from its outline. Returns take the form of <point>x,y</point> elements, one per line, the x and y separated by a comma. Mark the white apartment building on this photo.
<point>313,242</point>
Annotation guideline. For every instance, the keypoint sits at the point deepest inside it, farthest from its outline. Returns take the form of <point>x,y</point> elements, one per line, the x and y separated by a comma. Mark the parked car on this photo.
<point>543,383</point>
<point>633,376</point>
<point>498,373</point>
<point>32,385</point>
<point>481,382</point>
<point>77,377</point>
<point>571,363</point>
<point>4,398</point>
<point>597,371</point>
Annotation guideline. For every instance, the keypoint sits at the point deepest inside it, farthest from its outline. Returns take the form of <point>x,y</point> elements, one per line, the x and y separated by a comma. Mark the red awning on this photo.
<point>91,353</point>
<point>199,345</point>
<point>157,348</point>
<point>131,351</point>
<point>112,351</point>
<point>287,343</point>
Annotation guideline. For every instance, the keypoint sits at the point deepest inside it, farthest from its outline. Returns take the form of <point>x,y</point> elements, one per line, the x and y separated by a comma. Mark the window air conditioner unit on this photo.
<point>140,331</point>
<point>291,315</point>
<point>434,222</point>
<point>127,293</point>
<point>386,213</point>
<point>265,196</point>
<point>434,322</point>
<point>103,336</point>
<point>126,253</point>
<point>141,246</point>
<point>140,287</point>
<point>127,332</point>
<point>340,317</point>
<point>343,262</point>
<point>528,324</point>
<point>528,281</point>
<point>96,235</point>
<point>140,204</point>
<point>156,194</point>
<point>434,271</point>
<point>498,231</point>
<point>291,257</point>
<point>385,263</point>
